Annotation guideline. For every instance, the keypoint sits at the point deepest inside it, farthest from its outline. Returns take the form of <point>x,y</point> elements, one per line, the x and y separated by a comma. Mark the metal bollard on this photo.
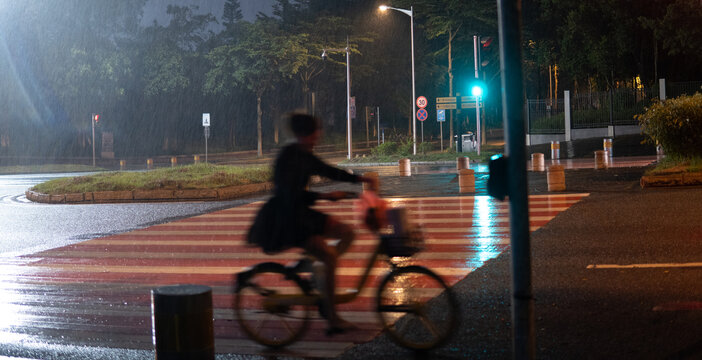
<point>122,164</point>
<point>196,159</point>
<point>149,164</point>
<point>466,181</point>
<point>405,167</point>
<point>607,145</point>
<point>174,161</point>
<point>555,177</point>
<point>537,162</point>
<point>555,150</point>
<point>600,159</point>
<point>462,163</point>
<point>182,322</point>
<point>375,186</point>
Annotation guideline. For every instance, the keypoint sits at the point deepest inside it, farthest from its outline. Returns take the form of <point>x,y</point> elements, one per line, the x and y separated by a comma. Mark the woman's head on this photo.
<point>305,127</point>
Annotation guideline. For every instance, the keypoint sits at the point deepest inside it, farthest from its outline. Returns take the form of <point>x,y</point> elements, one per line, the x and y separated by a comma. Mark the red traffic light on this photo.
<point>96,117</point>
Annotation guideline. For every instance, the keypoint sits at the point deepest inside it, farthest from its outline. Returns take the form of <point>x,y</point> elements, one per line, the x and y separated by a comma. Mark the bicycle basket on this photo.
<point>401,238</point>
<point>402,245</point>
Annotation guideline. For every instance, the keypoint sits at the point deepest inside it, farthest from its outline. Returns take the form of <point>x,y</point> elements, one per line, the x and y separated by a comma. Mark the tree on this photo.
<point>257,61</point>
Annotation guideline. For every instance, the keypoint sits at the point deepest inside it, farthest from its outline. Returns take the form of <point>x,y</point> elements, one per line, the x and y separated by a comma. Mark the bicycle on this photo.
<point>273,301</point>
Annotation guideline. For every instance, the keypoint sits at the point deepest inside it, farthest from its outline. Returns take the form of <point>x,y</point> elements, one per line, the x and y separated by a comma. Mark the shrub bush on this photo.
<point>385,149</point>
<point>676,124</point>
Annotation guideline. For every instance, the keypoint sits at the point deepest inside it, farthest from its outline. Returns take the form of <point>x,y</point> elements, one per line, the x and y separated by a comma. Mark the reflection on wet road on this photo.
<point>96,292</point>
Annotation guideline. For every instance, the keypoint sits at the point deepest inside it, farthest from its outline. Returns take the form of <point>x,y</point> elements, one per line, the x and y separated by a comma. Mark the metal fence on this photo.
<point>545,116</point>
<point>683,88</point>
<point>617,107</point>
<point>600,109</point>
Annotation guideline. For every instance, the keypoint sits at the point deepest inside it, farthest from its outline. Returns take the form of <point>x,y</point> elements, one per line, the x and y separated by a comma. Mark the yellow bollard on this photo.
<point>174,161</point>
<point>537,162</point>
<point>600,159</point>
<point>122,164</point>
<point>466,181</point>
<point>607,146</point>
<point>555,150</point>
<point>149,164</point>
<point>405,167</point>
<point>196,159</point>
<point>555,177</point>
<point>462,163</point>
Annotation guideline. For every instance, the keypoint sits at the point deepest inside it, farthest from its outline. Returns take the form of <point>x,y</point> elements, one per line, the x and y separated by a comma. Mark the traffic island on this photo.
<point>159,195</point>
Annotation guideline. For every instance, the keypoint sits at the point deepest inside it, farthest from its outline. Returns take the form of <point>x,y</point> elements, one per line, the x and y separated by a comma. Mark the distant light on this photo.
<point>382,7</point>
<point>476,90</point>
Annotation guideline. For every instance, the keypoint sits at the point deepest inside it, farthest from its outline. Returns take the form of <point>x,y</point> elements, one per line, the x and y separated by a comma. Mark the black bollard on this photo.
<point>182,322</point>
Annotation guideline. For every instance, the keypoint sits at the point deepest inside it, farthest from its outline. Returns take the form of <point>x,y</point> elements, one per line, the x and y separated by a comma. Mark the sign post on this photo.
<point>422,112</point>
<point>441,117</point>
<point>206,125</point>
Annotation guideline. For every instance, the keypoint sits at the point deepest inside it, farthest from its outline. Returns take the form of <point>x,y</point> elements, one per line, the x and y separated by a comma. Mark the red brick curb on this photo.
<point>227,193</point>
<point>673,179</point>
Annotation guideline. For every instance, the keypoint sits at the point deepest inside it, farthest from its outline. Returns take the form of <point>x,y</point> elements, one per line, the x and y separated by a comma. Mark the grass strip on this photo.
<point>48,168</point>
<point>197,176</point>
<point>673,164</point>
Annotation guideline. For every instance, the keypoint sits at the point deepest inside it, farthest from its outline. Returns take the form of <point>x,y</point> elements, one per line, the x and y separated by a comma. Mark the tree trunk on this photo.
<point>259,114</point>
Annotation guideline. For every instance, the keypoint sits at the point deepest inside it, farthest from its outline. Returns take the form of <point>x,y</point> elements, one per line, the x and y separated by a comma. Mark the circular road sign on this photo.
<point>422,102</point>
<point>422,114</point>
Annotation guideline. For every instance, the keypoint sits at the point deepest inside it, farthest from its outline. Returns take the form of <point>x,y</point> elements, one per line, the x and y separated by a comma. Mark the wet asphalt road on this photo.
<point>29,227</point>
<point>649,312</point>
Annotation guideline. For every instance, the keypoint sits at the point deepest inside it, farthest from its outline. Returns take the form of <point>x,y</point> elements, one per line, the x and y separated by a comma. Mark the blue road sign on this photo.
<point>440,115</point>
<point>422,114</point>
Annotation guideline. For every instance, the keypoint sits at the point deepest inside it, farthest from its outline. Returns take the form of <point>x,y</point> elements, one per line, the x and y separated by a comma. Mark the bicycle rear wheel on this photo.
<point>262,310</point>
<point>416,308</point>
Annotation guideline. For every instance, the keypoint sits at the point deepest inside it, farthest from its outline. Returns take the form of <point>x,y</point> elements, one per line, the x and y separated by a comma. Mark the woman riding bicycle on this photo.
<point>287,220</point>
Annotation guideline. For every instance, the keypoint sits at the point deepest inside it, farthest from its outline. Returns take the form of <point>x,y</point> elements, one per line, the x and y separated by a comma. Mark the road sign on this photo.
<point>470,105</point>
<point>446,106</point>
<point>422,114</point>
<point>465,99</point>
<point>205,119</point>
<point>446,100</point>
<point>440,115</point>
<point>422,102</point>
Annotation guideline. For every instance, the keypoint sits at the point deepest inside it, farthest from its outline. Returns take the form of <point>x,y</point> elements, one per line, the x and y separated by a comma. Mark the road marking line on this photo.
<point>645,266</point>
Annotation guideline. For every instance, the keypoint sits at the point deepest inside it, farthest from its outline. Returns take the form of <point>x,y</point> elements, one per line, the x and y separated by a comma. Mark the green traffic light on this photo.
<point>476,90</point>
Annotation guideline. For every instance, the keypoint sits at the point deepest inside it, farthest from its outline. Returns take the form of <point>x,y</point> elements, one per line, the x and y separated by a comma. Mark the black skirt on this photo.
<point>278,227</point>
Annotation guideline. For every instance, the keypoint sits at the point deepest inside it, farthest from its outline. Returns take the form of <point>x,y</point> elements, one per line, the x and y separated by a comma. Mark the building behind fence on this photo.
<point>596,114</point>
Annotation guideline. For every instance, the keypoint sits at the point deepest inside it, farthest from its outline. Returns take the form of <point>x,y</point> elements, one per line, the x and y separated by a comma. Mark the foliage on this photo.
<point>198,176</point>
<point>61,60</point>
<point>385,149</point>
<point>676,124</point>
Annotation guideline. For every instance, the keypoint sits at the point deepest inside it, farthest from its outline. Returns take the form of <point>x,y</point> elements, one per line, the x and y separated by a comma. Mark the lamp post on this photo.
<point>348,92</point>
<point>409,13</point>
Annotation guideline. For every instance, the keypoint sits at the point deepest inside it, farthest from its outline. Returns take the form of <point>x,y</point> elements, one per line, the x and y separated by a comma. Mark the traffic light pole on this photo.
<point>476,56</point>
<point>509,24</point>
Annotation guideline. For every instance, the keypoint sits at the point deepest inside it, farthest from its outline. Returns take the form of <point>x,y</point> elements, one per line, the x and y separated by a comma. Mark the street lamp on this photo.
<point>410,13</point>
<point>348,92</point>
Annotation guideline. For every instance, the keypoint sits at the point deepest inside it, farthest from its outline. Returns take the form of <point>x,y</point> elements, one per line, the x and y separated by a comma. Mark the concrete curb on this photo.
<point>396,163</point>
<point>673,179</point>
<point>99,197</point>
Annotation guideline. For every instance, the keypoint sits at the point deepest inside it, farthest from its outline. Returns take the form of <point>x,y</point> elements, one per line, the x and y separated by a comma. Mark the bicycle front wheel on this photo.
<point>416,308</point>
<point>265,305</point>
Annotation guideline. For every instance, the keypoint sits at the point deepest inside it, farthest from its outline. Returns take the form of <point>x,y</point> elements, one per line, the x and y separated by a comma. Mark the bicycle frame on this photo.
<point>309,299</point>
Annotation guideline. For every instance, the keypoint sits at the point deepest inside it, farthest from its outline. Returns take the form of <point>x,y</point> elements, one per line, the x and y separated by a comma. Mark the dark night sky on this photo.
<point>156,9</point>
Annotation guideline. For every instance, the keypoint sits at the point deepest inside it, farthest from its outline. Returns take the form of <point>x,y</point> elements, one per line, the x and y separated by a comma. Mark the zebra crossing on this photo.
<point>97,292</point>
